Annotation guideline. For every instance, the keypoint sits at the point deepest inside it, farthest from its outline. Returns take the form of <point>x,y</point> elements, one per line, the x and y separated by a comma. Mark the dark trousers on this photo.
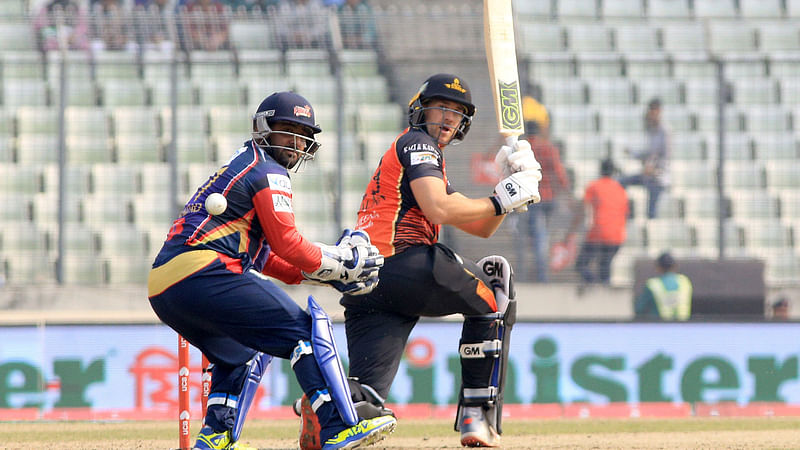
<point>653,186</point>
<point>600,253</point>
<point>426,281</point>
<point>230,316</point>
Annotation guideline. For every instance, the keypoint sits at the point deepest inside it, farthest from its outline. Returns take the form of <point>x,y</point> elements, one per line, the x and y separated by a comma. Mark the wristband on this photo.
<point>498,209</point>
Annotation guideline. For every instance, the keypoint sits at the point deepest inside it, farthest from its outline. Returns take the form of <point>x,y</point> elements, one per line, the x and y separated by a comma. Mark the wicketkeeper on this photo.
<point>209,283</point>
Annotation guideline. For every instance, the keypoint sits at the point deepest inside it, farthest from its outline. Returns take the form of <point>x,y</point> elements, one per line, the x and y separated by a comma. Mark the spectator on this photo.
<point>554,181</point>
<point>607,203</point>
<point>357,24</point>
<point>75,26</point>
<point>780,309</point>
<point>208,25</point>
<point>654,157</point>
<point>238,6</point>
<point>668,295</point>
<point>301,24</point>
<point>110,28</point>
<point>152,27</point>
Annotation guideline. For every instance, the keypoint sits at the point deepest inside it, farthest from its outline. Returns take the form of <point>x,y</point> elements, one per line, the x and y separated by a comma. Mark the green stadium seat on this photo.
<point>747,204</point>
<point>621,119</point>
<point>25,92</point>
<point>40,120</point>
<point>768,119</point>
<point>307,63</point>
<point>250,35</point>
<point>589,37</point>
<point>577,118</point>
<point>623,9</point>
<point>783,174</point>
<point>45,210</point>
<point>693,175</point>
<point>135,120</point>
<point>541,37</point>
<point>599,65</point>
<point>779,36</point>
<point>207,66</point>
<point>576,10</point>
<point>567,91</point>
<point>669,234</point>
<point>709,9</point>
<point>610,91</point>
<point>220,91</point>
<point>16,34</point>
<point>684,37</point>
<point>366,90</point>
<point>105,208</point>
<point>744,175</point>
<point>359,63</point>
<point>88,149</point>
<point>688,147</point>
<point>230,119</point>
<point>22,65</point>
<point>635,37</point>
<point>143,148</point>
<point>116,92</point>
<point>584,146</point>
<point>755,91</point>
<point>761,9</point>
<point>115,179</point>
<point>37,148</point>
<point>254,64</point>
<point>115,65</point>
<point>669,9</point>
<point>776,146</point>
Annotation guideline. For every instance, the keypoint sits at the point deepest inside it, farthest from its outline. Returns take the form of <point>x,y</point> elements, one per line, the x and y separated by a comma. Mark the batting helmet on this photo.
<point>443,86</point>
<point>286,107</point>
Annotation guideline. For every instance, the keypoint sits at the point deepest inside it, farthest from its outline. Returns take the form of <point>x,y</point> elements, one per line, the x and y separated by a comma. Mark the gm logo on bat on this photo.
<point>509,98</point>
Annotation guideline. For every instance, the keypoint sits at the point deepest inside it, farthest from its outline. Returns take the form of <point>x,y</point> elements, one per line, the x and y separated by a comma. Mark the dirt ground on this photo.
<point>112,436</point>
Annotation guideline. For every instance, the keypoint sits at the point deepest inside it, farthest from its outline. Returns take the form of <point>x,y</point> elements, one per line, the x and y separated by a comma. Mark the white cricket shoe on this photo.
<point>475,429</point>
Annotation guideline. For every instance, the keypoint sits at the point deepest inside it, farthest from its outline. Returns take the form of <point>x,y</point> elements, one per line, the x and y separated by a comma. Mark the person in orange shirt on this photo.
<point>605,199</point>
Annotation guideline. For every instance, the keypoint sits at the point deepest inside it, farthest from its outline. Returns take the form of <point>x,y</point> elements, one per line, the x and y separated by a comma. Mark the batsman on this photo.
<point>405,204</point>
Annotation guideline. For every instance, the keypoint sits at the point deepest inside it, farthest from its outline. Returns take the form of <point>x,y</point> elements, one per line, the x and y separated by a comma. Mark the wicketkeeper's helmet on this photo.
<point>286,107</point>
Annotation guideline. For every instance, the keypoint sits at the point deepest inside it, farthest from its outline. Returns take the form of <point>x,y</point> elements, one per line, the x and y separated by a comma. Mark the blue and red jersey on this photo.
<point>256,231</point>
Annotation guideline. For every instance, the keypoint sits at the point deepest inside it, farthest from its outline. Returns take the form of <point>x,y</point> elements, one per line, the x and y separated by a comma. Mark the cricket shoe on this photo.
<point>208,438</point>
<point>475,429</point>
<point>309,425</point>
<point>362,434</point>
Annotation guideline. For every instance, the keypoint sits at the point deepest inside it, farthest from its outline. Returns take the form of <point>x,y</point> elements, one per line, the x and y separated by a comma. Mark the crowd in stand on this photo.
<point>198,24</point>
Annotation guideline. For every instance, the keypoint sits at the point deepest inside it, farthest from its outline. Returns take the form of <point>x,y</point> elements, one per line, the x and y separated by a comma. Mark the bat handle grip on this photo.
<point>510,141</point>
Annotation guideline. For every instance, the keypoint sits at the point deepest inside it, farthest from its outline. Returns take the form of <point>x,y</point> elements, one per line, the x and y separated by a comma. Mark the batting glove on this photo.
<point>515,159</point>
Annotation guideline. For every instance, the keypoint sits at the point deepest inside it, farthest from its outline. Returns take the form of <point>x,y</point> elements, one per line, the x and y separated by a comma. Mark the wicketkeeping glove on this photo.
<point>351,266</point>
<point>515,159</point>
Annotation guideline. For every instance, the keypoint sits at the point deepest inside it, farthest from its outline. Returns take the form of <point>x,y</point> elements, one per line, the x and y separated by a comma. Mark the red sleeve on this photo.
<point>558,168</point>
<point>277,267</point>
<point>274,211</point>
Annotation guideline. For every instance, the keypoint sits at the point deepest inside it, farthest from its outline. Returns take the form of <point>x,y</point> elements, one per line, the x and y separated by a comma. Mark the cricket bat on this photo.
<point>501,55</point>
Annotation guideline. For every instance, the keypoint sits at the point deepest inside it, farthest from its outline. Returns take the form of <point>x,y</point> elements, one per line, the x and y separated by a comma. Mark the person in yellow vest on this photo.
<point>667,296</point>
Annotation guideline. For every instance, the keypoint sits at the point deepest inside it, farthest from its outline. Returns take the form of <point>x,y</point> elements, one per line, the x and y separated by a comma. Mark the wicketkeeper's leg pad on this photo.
<point>241,401</point>
<point>324,350</point>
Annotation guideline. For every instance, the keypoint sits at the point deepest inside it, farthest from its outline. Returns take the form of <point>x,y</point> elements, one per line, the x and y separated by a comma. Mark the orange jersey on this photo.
<point>389,212</point>
<point>609,203</point>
